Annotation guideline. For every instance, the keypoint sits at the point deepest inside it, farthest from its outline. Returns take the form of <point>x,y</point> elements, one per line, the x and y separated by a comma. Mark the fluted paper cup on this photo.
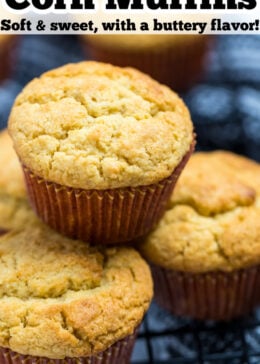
<point>207,296</point>
<point>101,216</point>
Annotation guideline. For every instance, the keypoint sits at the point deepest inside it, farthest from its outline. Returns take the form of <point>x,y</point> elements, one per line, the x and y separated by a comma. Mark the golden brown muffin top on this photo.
<point>143,42</point>
<point>212,222</point>
<point>96,126</point>
<point>62,298</point>
<point>14,208</point>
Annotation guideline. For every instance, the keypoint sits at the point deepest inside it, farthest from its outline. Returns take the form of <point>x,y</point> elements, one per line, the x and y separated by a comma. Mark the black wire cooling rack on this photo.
<point>225,108</point>
<point>165,339</point>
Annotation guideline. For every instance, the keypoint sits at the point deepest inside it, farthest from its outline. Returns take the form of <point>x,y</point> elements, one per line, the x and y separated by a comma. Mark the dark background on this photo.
<point>225,108</point>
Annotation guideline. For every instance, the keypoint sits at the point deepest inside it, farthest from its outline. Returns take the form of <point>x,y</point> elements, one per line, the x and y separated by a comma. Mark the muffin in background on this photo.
<point>101,148</point>
<point>205,252</point>
<point>62,301</point>
<point>8,45</point>
<point>15,211</point>
<point>172,59</point>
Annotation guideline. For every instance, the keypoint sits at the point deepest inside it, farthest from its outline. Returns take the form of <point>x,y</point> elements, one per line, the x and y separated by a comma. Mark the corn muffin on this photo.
<point>63,301</point>
<point>101,148</point>
<point>205,252</point>
<point>173,59</point>
<point>15,211</point>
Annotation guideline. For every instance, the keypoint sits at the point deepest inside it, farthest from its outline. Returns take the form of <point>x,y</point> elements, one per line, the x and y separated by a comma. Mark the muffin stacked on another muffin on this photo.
<point>205,252</point>
<point>102,148</point>
<point>15,211</point>
<point>61,300</point>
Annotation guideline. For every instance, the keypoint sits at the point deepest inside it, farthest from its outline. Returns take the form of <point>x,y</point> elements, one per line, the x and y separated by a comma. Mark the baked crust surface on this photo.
<point>96,126</point>
<point>212,221</point>
<point>62,298</point>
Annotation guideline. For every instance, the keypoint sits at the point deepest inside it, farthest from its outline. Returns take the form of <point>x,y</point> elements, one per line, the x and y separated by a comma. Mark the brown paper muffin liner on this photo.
<point>7,55</point>
<point>179,66</point>
<point>102,217</point>
<point>209,296</point>
<point>119,353</point>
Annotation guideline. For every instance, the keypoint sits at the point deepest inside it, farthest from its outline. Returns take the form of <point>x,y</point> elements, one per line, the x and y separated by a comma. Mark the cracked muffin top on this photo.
<point>63,298</point>
<point>96,126</point>
<point>14,208</point>
<point>212,221</point>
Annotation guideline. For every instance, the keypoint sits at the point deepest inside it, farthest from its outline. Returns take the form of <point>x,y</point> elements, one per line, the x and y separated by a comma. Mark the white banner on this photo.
<point>140,17</point>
